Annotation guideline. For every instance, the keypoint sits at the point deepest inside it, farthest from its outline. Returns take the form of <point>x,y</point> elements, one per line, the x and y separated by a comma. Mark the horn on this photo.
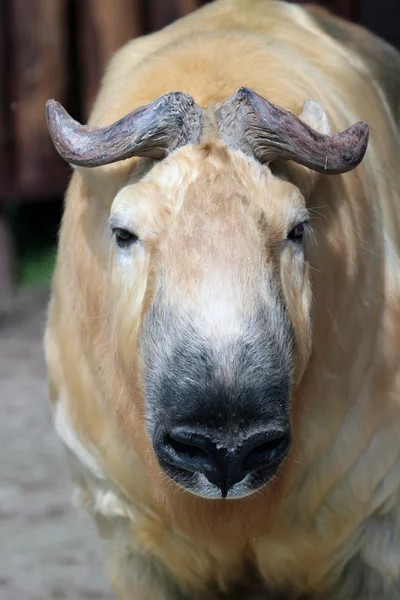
<point>154,130</point>
<point>250,123</point>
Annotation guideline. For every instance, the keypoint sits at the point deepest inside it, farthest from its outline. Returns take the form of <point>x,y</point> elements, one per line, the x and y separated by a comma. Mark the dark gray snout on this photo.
<point>218,410</point>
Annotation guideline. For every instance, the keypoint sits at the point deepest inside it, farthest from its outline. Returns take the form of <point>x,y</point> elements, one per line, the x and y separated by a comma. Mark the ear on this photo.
<point>105,182</point>
<point>315,117</point>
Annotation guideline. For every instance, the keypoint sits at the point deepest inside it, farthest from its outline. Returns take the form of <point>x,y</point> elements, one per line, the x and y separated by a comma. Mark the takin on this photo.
<point>223,341</point>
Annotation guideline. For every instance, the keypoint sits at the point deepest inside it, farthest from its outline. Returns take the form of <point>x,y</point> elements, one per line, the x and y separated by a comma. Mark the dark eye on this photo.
<point>296,235</point>
<point>124,238</point>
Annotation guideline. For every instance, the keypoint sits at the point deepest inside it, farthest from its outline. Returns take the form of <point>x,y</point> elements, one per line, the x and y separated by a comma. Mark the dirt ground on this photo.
<point>47,549</point>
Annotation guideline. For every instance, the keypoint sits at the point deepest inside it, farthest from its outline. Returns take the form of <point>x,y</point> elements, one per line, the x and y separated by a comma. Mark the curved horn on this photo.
<point>250,123</point>
<point>153,130</point>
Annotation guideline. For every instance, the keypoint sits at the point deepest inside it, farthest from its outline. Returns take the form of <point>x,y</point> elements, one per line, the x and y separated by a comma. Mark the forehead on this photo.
<point>208,182</point>
<point>213,224</point>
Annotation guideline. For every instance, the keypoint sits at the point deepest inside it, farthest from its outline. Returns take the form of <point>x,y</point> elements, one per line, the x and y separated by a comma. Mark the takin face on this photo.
<point>209,278</point>
<point>221,251</point>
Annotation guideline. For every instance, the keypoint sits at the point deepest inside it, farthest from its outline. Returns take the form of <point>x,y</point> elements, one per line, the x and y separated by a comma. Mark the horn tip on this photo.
<point>51,104</point>
<point>52,108</point>
<point>364,126</point>
<point>364,134</point>
<point>243,92</point>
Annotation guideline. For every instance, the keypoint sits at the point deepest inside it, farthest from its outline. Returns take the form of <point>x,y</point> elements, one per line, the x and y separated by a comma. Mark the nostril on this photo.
<point>188,454</point>
<point>268,452</point>
<point>225,463</point>
<point>266,448</point>
<point>184,448</point>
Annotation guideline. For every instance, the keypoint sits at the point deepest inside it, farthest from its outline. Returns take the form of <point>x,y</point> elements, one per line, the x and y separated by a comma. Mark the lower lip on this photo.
<point>179,475</point>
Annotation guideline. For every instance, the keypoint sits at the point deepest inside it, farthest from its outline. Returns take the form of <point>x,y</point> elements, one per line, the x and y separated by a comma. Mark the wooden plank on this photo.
<point>5,133</point>
<point>162,13</point>
<point>348,9</point>
<point>39,72</point>
<point>382,18</point>
<point>7,266</point>
<point>105,25</point>
<point>187,6</point>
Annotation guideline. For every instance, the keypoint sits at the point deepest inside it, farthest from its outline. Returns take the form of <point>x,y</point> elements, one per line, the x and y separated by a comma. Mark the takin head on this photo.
<point>211,288</point>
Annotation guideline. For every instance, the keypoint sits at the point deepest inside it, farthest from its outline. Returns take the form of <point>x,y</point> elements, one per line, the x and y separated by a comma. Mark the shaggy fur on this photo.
<point>209,219</point>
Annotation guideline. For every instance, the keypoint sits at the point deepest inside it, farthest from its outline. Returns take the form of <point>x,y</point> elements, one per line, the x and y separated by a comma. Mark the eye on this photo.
<point>124,238</point>
<point>296,235</point>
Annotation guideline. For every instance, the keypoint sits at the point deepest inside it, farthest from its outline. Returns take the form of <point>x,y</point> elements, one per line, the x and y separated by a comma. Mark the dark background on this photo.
<point>58,48</point>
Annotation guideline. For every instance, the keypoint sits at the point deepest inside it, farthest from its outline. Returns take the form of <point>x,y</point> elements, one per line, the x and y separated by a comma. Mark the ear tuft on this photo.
<point>315,116</point>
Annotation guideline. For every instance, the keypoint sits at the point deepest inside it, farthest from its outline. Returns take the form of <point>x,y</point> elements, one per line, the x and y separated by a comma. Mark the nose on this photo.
<point>223,463</point>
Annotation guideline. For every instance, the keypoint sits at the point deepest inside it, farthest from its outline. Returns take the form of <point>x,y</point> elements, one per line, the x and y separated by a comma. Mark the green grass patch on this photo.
<point>36,269</point>
<point>34,228</point>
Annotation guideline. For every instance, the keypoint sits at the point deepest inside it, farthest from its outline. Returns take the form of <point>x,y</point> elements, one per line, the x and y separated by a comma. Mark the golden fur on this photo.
<point>329,524</point>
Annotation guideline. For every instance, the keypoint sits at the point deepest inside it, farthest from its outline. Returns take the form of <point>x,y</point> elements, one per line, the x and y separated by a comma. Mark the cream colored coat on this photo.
<point>330,529</point>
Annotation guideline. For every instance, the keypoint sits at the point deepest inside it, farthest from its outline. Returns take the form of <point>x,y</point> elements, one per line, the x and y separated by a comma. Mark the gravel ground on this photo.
<point>47,549</point>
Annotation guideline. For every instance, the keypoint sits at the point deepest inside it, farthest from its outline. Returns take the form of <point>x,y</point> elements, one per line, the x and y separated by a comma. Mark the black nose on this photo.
<point>222,463</point>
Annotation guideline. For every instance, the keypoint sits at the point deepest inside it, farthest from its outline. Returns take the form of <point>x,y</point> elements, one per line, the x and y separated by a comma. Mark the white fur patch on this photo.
<point>68,435</point>
<point>101,501</point>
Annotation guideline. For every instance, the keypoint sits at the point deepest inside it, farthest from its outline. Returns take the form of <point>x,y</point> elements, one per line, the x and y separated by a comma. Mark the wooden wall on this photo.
<point>58,49</point>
